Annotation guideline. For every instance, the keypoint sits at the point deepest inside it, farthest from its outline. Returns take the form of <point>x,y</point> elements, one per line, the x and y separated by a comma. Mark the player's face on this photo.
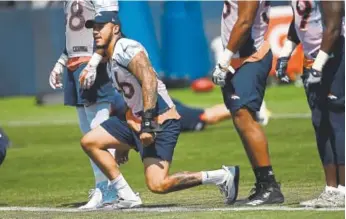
<point>103,34</point>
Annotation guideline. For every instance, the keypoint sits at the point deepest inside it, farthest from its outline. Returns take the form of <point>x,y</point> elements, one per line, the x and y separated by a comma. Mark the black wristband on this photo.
<point>149,124</point>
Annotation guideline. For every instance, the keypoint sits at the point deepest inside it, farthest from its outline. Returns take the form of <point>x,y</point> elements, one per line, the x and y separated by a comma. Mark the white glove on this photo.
<point>223,68</point>
<point>55,77</point>
<point>88,75</point>
<point>220,74</point>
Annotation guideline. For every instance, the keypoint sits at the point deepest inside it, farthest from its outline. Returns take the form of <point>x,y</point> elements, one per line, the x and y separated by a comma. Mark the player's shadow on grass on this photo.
<point>159,206</point>
<point>78,204</point>
<point>3,204</point>
<point>73,205</point>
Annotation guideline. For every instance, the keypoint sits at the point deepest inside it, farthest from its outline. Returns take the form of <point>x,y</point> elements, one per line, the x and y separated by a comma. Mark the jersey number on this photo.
<point>128,89</point>
<point>304,9</point>
<point>77,16</point>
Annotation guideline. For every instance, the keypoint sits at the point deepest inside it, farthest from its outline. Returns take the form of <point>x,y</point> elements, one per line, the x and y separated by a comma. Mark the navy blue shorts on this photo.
<point>101,91</point>
<point>162,148</point>
<point>247,86</point>
<point>190,117</point>
<point>4,142</point>
<point>330,92</point>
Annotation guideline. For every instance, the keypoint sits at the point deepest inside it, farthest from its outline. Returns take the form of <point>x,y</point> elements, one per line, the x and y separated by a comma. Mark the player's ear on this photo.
<point>116,29</point>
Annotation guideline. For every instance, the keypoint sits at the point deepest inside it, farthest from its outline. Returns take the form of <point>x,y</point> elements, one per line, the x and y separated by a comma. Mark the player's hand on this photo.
<point>147,138</point>
<point>314,77</point>
<point>87,77</point>
<point>121,156</point>
<point>55,77</point>
<point>281,69</point>
<point>149,127</point>
<point>220,74</point>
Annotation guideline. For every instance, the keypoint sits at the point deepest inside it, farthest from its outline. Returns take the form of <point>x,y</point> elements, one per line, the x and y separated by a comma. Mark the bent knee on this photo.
<point>87,142</point>
<point>158,186</point>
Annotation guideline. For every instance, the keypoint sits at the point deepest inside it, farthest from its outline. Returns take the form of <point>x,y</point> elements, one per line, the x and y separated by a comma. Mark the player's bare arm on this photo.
<point>240,33</point>
<point>141,67</point>
<point>247,11</point>
<point>332,12</point>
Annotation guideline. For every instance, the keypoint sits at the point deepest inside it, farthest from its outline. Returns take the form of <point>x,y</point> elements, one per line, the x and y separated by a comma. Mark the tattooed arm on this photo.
<point>141,67</point>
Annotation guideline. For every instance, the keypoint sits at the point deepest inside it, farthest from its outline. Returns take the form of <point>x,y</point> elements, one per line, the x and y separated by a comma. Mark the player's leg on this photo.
<point>196,119</point>
<point>336,103</point>
<point>72,97</point>
<point>191,118</point>
<point>326,101</point>
<point>243,95</point>
<point>95,197</point>
<point>4,142</point>
<point>157,159</point>
<point>113,133</point>
<point>322,130</point>
<point>98,113</point>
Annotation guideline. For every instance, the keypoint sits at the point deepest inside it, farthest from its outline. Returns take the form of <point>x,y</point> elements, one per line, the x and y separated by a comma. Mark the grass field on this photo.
<point>46,167</point>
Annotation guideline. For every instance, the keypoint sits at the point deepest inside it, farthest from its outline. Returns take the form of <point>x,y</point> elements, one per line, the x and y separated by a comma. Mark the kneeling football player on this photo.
<point>156,135</point>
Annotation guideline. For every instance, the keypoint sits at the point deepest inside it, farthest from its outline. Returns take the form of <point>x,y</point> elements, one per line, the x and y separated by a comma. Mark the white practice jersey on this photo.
<point>124,51</point>
<point>79,40</point>
<point>258,29</point>
<point>309,25</point>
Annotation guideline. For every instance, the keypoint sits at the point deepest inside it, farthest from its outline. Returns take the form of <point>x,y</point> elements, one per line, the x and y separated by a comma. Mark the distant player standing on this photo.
<point>152,126</point>
<point>319,27</point>
<point>92,98</point>
<point>243,26</point>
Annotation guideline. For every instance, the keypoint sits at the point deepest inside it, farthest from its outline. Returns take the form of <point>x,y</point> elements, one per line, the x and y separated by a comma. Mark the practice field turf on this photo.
<point>46,167</point>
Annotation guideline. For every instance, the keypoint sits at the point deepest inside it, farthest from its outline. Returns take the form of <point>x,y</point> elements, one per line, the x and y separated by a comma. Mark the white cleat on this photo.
<point>327,199</point>
<point>95,200</point>
<point>229,188</point>
<point>121,203</point>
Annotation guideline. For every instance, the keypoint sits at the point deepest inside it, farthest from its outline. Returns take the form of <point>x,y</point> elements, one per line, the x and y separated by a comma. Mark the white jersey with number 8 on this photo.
<point>79,40</point>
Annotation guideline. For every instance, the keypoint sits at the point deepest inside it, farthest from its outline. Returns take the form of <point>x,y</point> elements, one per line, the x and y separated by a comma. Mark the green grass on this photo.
<point>46,166</point>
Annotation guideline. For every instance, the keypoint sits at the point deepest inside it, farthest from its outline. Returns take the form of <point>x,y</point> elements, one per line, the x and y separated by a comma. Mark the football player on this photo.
<point>319,26</point>
<point>153,124</point>
<point>243,25</point>
<point>92,98</point>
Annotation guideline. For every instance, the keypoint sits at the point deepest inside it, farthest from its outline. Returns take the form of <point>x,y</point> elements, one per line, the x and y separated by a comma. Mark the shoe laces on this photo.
<point>261,187</point>
<point>256,190</point>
